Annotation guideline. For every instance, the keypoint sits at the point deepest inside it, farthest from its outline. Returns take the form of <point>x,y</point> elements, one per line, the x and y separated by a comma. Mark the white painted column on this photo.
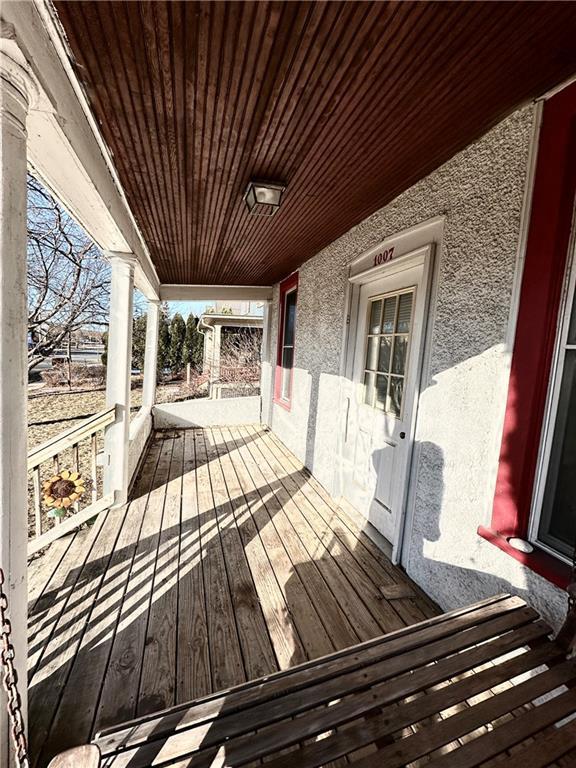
<point>118,374</point>
<point>216,341</point>
<point>151,355</point>
<point>266,319</point>
<point>214,379</point>
<point>266,366</point>
<point>15,92</point>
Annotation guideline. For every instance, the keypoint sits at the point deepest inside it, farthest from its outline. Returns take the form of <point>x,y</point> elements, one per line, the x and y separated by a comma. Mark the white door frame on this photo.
<point>397,253</point>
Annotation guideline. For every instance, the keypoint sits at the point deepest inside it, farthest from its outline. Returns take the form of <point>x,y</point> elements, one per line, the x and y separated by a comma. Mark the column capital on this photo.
<point>120,257</point>
<point>20,91</point>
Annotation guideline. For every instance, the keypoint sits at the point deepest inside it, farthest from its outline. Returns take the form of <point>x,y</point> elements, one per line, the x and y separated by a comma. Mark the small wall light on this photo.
<point>263,198</point>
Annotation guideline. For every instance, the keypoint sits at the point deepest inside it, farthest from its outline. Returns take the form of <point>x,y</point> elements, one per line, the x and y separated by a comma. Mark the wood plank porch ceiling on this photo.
<point>348,103</point>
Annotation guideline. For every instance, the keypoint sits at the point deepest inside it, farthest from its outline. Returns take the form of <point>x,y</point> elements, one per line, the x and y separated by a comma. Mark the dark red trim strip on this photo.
<point>285,286</point>
<point>540,298</point>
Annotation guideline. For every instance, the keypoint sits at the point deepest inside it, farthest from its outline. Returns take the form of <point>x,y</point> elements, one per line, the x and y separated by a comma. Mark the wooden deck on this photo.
<point>229,563</point>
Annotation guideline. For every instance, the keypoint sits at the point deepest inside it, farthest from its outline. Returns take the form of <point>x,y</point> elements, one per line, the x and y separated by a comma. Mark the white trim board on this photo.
<point>177,292</point>
<point>406,241</point>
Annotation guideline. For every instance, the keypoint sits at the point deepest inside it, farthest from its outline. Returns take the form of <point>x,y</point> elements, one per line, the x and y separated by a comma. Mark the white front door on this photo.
<point>382,395</point>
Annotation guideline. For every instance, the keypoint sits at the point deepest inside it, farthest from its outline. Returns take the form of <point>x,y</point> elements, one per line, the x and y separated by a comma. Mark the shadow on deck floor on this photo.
<point>230,562</point>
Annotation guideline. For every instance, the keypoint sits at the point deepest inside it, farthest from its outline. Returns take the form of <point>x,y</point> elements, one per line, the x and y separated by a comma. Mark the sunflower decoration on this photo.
<point>61,491</point>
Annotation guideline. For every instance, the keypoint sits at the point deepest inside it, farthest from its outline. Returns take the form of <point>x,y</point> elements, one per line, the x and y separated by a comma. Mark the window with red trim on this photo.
<point>286,342</point>
<point>537,340</point>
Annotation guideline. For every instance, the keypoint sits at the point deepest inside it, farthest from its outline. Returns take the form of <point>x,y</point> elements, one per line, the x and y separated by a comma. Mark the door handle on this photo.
<point>402,435</point>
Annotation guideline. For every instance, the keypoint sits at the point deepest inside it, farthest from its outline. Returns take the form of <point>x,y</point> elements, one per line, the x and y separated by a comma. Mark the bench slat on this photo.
<point>511,733</point>
<point>429,739</point>
<point>387,696</point>
<point>545,749</point>
<point>291,731</point>
<point>512,610</point>
<point>384,724</point>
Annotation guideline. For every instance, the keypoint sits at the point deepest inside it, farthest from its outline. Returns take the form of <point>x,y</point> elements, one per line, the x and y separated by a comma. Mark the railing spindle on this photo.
<point>76,463</point>
<point>37,501</point>
<point>94,465</point>
<point>56,468</point>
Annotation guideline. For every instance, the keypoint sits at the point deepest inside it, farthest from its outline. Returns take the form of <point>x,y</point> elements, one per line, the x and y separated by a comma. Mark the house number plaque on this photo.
<point>384,256</point>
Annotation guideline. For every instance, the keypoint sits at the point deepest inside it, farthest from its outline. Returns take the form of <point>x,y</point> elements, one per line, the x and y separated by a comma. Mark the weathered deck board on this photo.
<point>372,614</point>
<point>229,563</point>
<point>319,594</point>
<point>121,681</point>
<point>158,678</point>
<point>52,673</point>
<point>246,501</point>
<point>257,651</point>
<point>305,623</point>
<point>226,662</point>
<point>45,566</point>
<point>193,676</point>
<point>80,695</point>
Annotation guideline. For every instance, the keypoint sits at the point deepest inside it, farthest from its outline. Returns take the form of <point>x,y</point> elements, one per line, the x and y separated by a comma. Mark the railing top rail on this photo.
<point>70,437</point>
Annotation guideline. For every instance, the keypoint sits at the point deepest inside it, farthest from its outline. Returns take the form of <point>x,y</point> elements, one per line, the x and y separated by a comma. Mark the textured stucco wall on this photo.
<point>465,377</point>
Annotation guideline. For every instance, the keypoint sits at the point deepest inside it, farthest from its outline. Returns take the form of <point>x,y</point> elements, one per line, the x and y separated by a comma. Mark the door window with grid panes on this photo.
<point>388,340</point>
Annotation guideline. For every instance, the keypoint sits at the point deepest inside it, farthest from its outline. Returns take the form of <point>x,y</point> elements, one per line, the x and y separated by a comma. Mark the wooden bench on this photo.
<point>485,668</point>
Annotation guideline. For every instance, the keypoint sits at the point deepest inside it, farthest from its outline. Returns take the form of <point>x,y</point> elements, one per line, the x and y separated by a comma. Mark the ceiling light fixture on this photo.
<point>263,198</point>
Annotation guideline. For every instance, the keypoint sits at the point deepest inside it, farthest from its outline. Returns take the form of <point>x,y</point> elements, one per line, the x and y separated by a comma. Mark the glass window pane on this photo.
<point>389,315</point>
<point>290,318</point>
<point>381,390</point>
<point>286,383</point>
<point>395,396</point>
<point>369,388</point>
<point>384,356</point>
<point>372,353</point>
<point>404,313</point>
<point>375,311</point>
<point>400,348</point>
<point>572,326</point>
<point>287,358</point>
<point>558,521</point>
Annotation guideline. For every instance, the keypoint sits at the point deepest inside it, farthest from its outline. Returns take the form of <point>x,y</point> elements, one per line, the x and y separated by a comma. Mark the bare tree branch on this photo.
<point>68,280</point>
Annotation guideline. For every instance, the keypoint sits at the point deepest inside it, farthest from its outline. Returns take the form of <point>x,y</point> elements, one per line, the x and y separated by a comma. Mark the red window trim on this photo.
<point>536,329</point>
<point>287,285</point>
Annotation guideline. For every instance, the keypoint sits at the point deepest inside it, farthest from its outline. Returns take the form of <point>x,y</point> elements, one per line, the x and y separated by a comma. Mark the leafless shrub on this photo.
<point>198,386</point>
<point>75,374</point>
<point>240,355</point>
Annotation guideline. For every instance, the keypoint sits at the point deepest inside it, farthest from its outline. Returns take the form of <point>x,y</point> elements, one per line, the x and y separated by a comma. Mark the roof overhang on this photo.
<point>210,319</point>
<point>347,104</point>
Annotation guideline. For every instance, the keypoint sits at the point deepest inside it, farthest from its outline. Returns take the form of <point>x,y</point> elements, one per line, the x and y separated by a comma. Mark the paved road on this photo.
<point>88,356</point>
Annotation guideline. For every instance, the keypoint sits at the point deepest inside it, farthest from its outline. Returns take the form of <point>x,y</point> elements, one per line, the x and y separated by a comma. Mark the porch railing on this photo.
<point>76,450</point>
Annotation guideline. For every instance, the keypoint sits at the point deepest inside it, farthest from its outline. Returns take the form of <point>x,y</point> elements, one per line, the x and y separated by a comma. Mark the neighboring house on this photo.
<point>226,321</point>
<point>395,184</point>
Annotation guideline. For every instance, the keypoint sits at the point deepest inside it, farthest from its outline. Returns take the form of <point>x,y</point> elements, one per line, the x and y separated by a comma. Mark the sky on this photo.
<point>184,307</point>
<point>187,307</point>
